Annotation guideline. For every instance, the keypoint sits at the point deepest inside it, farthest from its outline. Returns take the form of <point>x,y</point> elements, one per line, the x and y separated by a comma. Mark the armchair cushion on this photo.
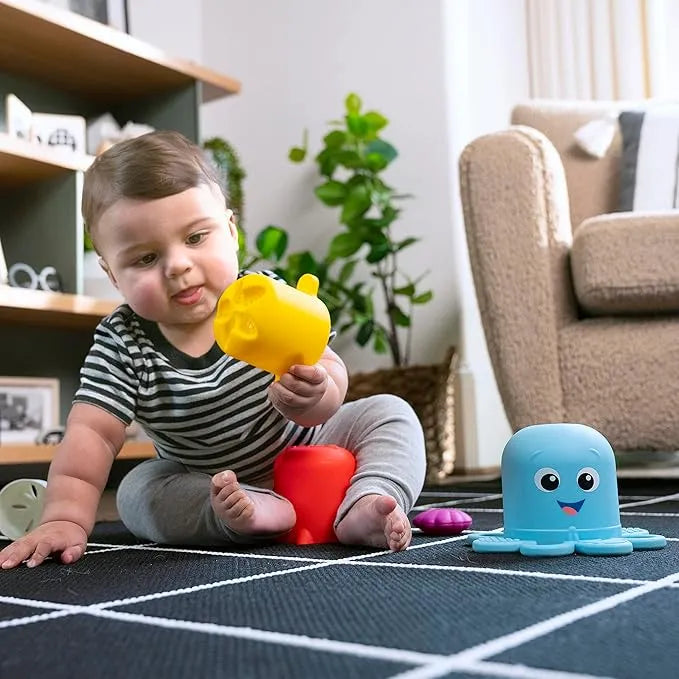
<point>627,264</point>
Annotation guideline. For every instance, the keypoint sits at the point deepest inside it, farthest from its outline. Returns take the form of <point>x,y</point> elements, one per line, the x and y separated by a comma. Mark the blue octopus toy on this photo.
<point>560,495</point>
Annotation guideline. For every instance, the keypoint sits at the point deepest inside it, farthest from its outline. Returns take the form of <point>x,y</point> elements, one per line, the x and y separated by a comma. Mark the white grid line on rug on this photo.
<point>354,649</point>
<point>523,636</point>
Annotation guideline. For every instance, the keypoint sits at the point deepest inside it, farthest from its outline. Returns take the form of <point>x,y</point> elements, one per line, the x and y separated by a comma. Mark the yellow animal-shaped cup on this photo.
<point>272,325</point>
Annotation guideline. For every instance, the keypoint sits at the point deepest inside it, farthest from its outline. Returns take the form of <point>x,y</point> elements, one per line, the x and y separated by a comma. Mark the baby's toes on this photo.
<point>223,481</point>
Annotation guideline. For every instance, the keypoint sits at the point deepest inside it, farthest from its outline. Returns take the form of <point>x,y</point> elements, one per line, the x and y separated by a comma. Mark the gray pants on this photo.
<point>162,501</point>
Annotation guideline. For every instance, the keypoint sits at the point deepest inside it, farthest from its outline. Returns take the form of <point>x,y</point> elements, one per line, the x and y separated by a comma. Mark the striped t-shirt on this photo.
<point>209,413</point>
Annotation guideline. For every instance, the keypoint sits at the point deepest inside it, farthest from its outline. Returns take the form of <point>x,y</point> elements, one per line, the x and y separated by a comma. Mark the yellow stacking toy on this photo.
<point>272,325</point>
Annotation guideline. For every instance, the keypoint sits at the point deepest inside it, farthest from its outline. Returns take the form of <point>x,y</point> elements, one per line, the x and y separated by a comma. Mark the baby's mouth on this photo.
<point>570,508</point>
<point>188,295</point>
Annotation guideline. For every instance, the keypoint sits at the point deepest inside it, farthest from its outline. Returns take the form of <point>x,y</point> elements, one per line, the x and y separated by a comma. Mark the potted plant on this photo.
<point>351,163</point>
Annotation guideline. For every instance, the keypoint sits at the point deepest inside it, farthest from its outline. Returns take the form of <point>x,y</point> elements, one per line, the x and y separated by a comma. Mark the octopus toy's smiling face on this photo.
<point>559,476</point>
<point>568,497</point>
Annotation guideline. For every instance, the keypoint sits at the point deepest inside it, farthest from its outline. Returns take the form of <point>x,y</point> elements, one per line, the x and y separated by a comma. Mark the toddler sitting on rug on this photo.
<point>158,220</point>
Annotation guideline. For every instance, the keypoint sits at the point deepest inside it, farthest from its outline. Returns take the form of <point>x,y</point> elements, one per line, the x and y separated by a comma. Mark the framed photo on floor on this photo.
<point>28,406</point>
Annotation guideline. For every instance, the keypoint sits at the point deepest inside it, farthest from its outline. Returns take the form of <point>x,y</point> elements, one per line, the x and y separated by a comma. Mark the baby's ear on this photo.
<point>105,267</point>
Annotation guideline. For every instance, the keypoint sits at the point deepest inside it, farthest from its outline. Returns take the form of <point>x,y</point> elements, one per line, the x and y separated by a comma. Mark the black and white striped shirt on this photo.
<point>209,413</point>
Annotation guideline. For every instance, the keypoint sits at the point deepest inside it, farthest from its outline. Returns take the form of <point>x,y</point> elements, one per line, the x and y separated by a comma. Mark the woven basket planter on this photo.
<point>429,390</point>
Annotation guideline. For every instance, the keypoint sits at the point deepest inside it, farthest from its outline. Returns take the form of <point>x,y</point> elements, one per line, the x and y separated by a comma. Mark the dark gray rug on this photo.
<point>437,610</point>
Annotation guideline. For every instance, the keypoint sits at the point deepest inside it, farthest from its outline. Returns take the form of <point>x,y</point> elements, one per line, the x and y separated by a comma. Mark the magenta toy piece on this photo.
<point>442,521</point>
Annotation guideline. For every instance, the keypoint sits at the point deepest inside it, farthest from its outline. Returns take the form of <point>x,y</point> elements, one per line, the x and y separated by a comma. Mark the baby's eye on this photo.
<point>146,260</point>
<point>196,238</point>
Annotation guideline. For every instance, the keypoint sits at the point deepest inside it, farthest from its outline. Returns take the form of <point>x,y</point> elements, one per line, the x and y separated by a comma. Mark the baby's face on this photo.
<point>171,258</point>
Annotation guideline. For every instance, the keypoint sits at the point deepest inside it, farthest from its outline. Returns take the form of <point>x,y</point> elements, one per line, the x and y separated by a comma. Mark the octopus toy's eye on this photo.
<point>588,479</point>
<point>547,479</point>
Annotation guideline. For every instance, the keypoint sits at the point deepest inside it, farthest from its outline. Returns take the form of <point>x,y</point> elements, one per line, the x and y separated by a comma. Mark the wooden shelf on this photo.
<point>28,454</point>
<point>35,307</point>
<point>79,55</point>
<point>22,162</point>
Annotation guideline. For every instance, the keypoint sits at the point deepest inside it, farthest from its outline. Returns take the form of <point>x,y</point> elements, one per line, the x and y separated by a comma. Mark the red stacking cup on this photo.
<point>315,480</point>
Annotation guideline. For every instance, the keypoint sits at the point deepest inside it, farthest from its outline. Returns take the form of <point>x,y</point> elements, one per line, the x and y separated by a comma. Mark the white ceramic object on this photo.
<point>21,505</point>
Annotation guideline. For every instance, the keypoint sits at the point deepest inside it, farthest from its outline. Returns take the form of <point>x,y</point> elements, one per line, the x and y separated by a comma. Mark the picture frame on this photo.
<point>28,407</point>
<point>110,12</point>
<point>4,273</point>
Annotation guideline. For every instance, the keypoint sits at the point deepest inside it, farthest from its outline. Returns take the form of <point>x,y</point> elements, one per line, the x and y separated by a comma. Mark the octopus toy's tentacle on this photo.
<point>495,543</point>
<point>554,549</point>
<point>608,547</point>
<point>642,539</point>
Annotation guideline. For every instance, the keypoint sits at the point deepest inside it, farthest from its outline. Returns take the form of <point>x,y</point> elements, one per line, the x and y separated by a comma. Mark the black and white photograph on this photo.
<point>28,406</point>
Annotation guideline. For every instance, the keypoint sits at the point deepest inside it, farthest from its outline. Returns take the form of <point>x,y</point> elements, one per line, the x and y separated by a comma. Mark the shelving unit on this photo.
<point>51,309</point>
<point>60,62</point>
<point>26,454</point>
<point>73,53</point>
<point>23,163</point>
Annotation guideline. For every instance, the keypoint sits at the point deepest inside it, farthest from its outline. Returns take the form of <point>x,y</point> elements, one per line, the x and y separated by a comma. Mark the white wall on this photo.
<point>298,60</point>
<point>417,63</point>
<point>487,73</point>
<point>174,26</point>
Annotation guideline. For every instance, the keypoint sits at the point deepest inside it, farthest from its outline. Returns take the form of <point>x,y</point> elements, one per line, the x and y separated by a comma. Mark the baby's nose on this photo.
<point>177,263</point>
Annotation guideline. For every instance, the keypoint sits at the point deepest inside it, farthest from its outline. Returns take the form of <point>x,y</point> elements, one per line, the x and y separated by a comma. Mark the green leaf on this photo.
<point>335,139</point>
<point>375,162</point>
<point>378,252</point>
<point>405,243</point>
<point>357,125</point>
<point>345,245</point>
<point>408,290</point>
<point>423,298</point>
<point>327,161</point>
<point>376,121</point>
<point>297,154</point>
<point>331,193</point>
<point>380,344</point>
<point>271,242</point>
<point>350,159</point>
<point>365,333</point>
<point>347,270</point>
<point>399,317</point>
<point>382,148</point>
<point>357,203</point>
<point>353,103</point>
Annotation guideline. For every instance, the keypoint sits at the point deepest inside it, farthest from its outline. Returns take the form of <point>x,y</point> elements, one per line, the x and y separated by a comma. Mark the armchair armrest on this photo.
<point>625,263</point>
<point>517,221</point>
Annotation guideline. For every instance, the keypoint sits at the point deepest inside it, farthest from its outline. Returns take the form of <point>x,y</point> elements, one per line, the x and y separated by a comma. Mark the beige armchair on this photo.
<point>580,306</point>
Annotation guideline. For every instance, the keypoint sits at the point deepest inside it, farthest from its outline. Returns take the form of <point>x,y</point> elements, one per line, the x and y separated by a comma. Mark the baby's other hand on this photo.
<point>299,389</point>
<point>63,537</point>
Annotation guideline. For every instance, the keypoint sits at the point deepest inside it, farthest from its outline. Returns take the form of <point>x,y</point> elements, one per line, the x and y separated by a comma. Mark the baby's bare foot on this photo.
<point>376,521</point>
<point>249,513</point>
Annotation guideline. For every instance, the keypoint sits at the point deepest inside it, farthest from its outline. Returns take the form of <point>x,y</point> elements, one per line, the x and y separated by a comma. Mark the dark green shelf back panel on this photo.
<point>43,98</point>
<point>39,226</point>
<point>176,110</point>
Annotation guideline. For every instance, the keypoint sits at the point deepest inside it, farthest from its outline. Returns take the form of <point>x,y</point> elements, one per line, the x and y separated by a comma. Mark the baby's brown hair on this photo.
<point>154,165</point>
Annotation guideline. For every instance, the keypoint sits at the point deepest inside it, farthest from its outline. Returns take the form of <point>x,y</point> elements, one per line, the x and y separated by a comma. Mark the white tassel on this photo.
<point>595,137</point>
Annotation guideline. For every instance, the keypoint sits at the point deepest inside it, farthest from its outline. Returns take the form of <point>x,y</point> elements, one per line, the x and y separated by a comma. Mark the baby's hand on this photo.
<point>299,390</point>
<point>63,537</point>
